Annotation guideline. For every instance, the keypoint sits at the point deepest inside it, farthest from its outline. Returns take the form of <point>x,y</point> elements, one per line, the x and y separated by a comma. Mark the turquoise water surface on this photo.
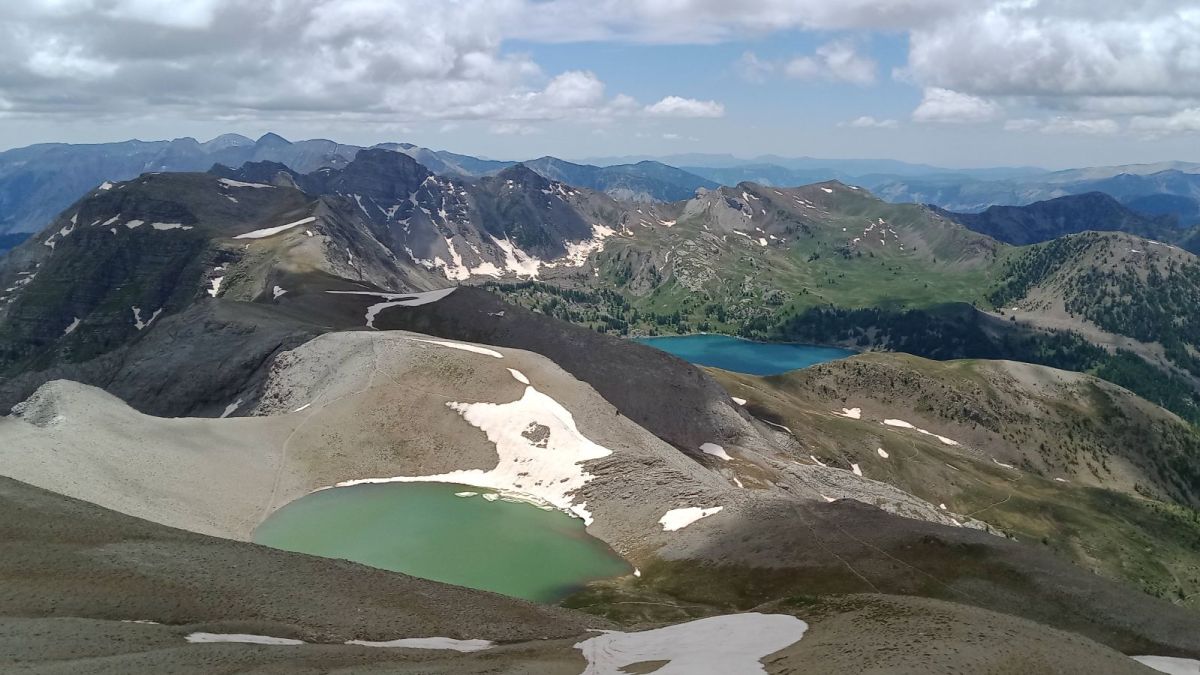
<point>425,530</point>
<point>745,356</point>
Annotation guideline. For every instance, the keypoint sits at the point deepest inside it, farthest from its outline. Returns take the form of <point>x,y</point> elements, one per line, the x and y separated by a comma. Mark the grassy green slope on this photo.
<point>1098,475</point>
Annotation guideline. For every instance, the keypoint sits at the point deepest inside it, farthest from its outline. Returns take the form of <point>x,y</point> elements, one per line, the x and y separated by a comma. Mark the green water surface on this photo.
<point>424,530</point>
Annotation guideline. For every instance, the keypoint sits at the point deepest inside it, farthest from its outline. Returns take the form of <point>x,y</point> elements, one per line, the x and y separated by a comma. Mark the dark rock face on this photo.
<point>379,174</point>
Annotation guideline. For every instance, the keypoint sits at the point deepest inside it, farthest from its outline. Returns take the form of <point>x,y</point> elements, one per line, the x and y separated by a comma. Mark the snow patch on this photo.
<point>1007,466</point>
<point>518,376</point>
<point>229,409</point>
<point>277,291</point>
<point>739,401</point>
<point>134,224</point>
<point>170,226</point>
<point>105,186</point>
<point>71,328</point>
<point>542,467</point>
<point>855,468</point>
<point>429,643</point>
<point>852,413</point>
<point>717,645</point>
<point>677,519</point>
<point>1172,665</point>
<point>227,182</point>
<point>269,231</point>
<point>397,300</point>
<point>475,349</point>
<point>827,190</point>
<point>243,638</point>
<point>882,453</point>
<point>216,286</point>
<point>137,317</point>
<point>715,450</point>
<point>906,425</point>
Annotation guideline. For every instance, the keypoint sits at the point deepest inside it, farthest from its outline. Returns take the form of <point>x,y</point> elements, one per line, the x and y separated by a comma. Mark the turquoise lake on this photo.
<point>426,530</point>
<point>745,356</point>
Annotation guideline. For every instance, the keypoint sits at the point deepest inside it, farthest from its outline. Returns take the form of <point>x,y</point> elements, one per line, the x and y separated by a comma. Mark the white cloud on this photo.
<point>389,61</point>
<point>512,129</point>
<point>837,61</point>
<point>1184,121</point>
<point>1022,124</point>
<point>1065,125</point>
<point>1088,127</point>
<point>675,106</point>
<point>574,89</point>
<point>753,69</point>
<point>869,122</point>
<point>381,62</point>
<point>705,21</point>
<point>953,107</point>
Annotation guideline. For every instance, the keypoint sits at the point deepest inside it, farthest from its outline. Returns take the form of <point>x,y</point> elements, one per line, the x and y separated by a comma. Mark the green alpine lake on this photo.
<point>428,530</point>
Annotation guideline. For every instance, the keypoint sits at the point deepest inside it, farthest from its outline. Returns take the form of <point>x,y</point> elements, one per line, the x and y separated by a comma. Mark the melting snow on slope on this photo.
<point>216,286</point>
<point>230,408</point>
<point>1171,665</point>
<point>430,643</point>
<point>237,183</point>
<point>677,519</point>
<point>905,425</point>
<point>578,252</point>
<point>717,645</point>
<point>397,300</point>
<point>242,638</point>
<point>539,450</point>
<point>852,413</point>
<point>475,349</point>
<point>267,232</point>
<point>137,317</point>
<point>715,450</point>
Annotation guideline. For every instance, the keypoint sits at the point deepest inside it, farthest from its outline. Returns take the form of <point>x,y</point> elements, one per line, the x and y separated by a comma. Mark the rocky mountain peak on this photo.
<point>382,174</point>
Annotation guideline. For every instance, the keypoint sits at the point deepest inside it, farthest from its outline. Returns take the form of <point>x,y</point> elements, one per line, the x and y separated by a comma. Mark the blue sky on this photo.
<point>1053,83</point>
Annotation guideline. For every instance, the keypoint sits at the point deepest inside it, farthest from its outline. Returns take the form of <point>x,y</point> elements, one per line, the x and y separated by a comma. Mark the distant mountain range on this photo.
<point>39,181</point>
<point>1053,218</point>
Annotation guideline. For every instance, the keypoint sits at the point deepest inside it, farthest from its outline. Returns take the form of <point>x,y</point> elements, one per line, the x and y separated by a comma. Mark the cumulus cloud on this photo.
<point>837,60</point>
<point>380,61</point>
<point>953,107</point>
<point>1065,125</point>
<point>702,21</point>
<point>1184,121</point>
<point>869,122</point>
<point>1087,127</point>
<point>390,61</point>
<point>752,68</point>
<point>675,106</point>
